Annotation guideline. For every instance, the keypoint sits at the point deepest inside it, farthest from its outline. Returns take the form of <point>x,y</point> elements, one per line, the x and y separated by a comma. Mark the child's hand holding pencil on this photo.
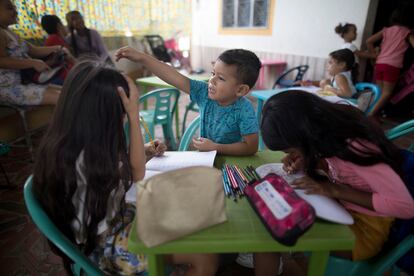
<point>154,148</point>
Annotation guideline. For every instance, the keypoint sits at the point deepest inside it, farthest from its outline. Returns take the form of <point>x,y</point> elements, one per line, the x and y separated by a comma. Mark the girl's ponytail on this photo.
<point>339,29</point>
<point>343,28</point>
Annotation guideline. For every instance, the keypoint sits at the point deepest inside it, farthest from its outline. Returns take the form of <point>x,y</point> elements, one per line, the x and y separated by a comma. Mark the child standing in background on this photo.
<point>395,41</point>
<point>348,32</point>
<point>228,122</point>
<point>86,198</point>
<point>345,157</point>
<point>342,69</point>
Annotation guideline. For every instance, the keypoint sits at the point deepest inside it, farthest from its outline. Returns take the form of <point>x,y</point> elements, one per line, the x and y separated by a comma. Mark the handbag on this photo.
<point>177,203</point>
<point>285,215</point>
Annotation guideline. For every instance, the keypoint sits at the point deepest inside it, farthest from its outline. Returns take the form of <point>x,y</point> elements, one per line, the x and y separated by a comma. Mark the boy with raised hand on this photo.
<point>228,121</point>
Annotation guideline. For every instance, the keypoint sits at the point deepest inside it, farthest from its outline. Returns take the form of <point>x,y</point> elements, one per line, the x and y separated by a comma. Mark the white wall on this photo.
<point>300,27</point>
<point>303,33</point>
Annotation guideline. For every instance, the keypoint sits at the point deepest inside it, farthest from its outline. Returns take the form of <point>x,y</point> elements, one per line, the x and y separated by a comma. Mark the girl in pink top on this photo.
<point>344,156</point>
<point>395,41</point>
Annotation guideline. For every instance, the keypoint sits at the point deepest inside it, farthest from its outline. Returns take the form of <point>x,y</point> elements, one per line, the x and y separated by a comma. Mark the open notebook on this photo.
<point>325,207</point>
<point>173,160</point>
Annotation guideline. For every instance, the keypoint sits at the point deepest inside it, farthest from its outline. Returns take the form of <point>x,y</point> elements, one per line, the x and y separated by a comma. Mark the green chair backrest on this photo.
<point>4,148</point>
<point>189,133</point>
<point>361,86</point>
<point>375,266</point>
<point>401,130</point>
<point>166,100</point>
<point>52,233</point>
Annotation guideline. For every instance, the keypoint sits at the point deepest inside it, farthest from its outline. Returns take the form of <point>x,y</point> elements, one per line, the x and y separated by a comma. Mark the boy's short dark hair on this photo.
<point>248,64</point>
<point>50,23</point>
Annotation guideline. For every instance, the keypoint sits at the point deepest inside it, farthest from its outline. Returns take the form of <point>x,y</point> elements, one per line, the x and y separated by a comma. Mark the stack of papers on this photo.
<point>173,160</point>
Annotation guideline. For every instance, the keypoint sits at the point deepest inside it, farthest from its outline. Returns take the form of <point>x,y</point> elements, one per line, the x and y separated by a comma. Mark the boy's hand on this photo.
<point>204,144</point>
<point>128,53</point>
<point>130,103</point>
<point>154,149</point>
<point>311,186</point>
<point>292,163</point>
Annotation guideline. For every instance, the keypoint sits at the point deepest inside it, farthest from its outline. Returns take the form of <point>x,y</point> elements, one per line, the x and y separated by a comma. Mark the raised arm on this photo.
<point>158,68</point>
<point>137,157</point>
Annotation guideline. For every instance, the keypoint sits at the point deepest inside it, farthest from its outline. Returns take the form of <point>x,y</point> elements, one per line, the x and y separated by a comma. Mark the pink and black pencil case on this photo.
<point>285,215</point>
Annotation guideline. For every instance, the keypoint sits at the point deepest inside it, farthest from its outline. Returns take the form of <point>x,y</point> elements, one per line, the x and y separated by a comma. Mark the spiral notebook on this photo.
<point>325,207</point>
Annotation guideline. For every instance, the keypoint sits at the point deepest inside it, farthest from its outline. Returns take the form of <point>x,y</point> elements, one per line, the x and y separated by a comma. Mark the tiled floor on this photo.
<point>23,250</point>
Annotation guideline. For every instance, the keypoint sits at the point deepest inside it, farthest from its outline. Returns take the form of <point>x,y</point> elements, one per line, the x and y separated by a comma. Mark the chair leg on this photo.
<point>184,120</point>
<point>9,184</point>
<point>169,134</point>
<point>29,144</point>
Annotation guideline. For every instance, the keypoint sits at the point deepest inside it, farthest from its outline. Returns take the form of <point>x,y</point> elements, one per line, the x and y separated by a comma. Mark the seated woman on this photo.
<point>17,54</point>
<point>85,41</point>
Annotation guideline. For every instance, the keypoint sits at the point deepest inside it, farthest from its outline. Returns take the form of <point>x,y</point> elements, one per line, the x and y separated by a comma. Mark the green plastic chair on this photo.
<point>189,133</point>
<point>81,264</point>
<point>375,266</point>
<point>191,106</point>
<point>166,100</point>
<point>401,130</point>
<point>364,86</point>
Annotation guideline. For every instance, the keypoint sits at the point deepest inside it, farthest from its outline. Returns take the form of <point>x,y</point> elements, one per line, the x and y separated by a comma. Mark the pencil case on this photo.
<point>285,215</point>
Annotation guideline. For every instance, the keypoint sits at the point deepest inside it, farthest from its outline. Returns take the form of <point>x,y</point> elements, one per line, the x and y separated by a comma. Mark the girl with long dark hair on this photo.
<point>85,167</point>
<point>344,156</point>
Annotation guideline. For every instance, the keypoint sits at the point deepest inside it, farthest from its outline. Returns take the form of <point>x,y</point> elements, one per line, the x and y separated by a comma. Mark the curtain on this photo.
<point>109,17</point>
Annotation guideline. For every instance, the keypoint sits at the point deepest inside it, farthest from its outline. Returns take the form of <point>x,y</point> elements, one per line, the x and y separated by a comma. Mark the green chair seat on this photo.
<point>81,263</point>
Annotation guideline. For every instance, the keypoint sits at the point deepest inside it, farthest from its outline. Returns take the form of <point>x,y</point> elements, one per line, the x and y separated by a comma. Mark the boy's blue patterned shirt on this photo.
<point>223,124</point>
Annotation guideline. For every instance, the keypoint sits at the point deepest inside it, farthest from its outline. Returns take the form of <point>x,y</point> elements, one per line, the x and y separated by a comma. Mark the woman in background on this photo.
<point>85,41</point>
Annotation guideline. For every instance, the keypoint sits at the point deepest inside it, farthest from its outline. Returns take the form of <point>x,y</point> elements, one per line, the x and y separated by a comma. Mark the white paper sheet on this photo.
<point>172,160</point>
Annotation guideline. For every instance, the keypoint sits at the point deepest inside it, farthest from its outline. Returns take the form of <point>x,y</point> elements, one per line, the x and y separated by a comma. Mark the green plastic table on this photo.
<point>148,83</point>
<point>244,232</point>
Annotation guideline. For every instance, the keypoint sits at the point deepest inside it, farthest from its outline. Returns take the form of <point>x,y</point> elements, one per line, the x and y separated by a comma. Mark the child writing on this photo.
<point>85,197</point>
<point>345,157</point>
<point>228,122</point>
<point>395,41</point>
<point>341,67</point>
<point>17,54</point>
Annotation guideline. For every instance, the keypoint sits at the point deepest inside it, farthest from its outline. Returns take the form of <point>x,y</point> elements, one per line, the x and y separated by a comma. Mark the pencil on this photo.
<point>144,124</point>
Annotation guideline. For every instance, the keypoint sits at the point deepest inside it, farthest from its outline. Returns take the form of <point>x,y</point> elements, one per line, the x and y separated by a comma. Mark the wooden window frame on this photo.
<point>248,30</point>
